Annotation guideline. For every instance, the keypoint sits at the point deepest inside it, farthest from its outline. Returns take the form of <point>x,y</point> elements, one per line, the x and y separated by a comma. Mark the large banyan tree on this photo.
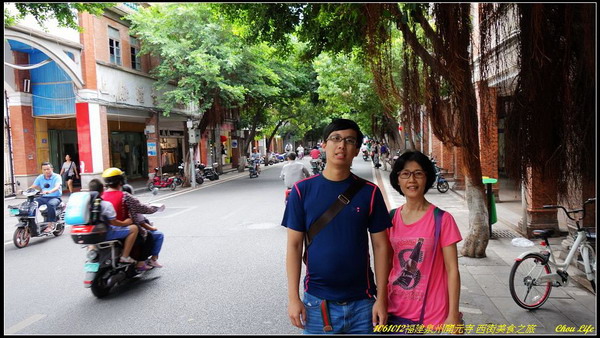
<point>555,89</point>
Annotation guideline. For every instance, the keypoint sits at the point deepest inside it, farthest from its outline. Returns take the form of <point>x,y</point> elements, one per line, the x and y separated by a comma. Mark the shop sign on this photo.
<point>151,148</point>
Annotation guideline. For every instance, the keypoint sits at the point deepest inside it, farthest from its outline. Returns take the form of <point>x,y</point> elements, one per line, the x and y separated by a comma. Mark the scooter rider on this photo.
<point>123,203</point>
<point>255,158</point>
<point>50,184</point>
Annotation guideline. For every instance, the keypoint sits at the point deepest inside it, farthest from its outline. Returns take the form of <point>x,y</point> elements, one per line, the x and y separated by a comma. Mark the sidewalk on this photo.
<point>485,299</point>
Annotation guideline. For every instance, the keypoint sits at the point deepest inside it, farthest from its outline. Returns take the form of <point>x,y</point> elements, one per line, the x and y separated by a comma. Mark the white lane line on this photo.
<point>175,214</point>
<point>23,324</point>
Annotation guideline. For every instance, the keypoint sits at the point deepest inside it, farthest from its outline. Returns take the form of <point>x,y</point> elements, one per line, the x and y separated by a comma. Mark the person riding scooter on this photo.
<point>124,203</point>
<point>50,184</point>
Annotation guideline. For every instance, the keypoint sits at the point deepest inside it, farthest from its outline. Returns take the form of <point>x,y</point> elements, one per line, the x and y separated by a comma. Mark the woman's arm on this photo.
<point>451,264</point>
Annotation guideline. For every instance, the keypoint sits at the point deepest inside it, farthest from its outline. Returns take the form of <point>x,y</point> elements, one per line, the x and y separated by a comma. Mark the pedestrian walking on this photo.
<point>68,171</point>
<point>424,283</point>
<point>385,155</point>
<point>334,212</point>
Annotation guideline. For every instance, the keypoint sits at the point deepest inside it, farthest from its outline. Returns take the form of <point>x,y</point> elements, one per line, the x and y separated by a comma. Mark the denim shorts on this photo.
<point>117,233</point>
<point>354,317</point>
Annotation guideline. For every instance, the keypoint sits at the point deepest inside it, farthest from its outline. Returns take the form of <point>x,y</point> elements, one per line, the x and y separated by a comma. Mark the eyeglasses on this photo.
<point>337,139</point>
<point>405,174</point>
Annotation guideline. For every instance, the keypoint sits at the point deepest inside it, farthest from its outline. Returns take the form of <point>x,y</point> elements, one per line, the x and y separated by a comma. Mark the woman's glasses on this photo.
<point>405,174</point>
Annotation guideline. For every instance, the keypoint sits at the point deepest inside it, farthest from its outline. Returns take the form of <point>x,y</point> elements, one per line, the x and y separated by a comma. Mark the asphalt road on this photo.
<point>224,269</point>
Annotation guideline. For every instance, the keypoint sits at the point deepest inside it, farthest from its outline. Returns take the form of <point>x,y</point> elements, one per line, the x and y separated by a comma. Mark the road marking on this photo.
<point>185,209</point>
<point>20,326</point>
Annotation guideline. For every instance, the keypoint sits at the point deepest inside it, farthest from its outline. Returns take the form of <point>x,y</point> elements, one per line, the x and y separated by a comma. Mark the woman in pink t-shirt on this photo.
<point>421,283</point>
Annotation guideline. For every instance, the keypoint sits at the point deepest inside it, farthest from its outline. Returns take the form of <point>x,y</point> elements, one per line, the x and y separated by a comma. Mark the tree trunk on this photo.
<point>479,235</point>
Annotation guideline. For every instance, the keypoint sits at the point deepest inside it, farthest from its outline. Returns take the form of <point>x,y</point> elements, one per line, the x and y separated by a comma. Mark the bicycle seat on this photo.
<point>544,234</point>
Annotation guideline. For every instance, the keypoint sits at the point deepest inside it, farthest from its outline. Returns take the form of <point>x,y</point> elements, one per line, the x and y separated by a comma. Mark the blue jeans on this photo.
<point>355,317</point>
<point>158,237</point>
<point>52,202</point>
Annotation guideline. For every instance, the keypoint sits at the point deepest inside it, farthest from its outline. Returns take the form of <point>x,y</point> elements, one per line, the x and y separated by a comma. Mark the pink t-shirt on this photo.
<point>413,252</point>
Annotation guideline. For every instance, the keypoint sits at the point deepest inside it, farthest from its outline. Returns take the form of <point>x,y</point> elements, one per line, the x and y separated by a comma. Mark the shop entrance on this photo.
<point>128,152</point>
<point>61,143</point>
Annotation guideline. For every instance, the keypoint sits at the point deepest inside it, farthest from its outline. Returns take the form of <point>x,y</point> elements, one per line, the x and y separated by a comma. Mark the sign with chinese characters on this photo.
<point>151,148</point>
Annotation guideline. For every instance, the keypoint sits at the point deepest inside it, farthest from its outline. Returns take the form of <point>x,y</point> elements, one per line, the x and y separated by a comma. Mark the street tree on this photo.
<point>64,13</point>
<point>343,27</point>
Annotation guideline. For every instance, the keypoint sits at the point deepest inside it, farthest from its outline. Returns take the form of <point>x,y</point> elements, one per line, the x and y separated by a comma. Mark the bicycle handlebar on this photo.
<point>568,213</point>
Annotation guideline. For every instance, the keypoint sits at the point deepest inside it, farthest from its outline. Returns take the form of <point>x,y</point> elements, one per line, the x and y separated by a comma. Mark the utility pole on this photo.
<point>193,141</point>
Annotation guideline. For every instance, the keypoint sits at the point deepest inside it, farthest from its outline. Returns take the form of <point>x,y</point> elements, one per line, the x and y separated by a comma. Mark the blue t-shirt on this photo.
<point>49,184</point>
<point>338,261</point>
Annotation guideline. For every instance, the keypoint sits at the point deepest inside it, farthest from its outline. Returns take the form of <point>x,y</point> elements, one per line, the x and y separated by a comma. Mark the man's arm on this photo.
<point>382,252</point>
<point>293,263</point>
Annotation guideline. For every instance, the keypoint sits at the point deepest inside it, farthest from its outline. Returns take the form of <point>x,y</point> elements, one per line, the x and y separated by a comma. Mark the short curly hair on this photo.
<point>415,156</point>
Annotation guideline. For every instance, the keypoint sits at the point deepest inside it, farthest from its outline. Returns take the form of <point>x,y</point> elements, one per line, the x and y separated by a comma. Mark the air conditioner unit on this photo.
<point>27,86</point>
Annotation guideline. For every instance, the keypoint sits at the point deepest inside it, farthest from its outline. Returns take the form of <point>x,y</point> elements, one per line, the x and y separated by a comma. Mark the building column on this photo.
<point>538,193</point>
<point>152,143</point>
<point>22,126</point>
<point>92,136</point>
<point>459,173</point>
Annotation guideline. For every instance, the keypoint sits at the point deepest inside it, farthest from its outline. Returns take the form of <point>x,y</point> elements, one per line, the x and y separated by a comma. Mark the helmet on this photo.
<point>113,176</point>
<point>128,188</point>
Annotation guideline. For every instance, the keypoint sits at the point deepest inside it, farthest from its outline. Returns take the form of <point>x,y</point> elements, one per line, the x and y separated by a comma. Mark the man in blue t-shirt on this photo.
<point>51,186</point>
<point>339,286</point>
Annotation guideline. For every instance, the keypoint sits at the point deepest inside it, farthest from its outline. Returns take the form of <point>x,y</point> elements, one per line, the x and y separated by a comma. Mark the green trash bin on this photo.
<point>493,218</point>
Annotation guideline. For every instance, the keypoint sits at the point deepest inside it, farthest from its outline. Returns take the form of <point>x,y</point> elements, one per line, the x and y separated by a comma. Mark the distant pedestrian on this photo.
<point>424,283</point>
<point>385,155</point>
<point>68,172</point>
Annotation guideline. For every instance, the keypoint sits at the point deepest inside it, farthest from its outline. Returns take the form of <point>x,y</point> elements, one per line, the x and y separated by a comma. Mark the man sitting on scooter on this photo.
<point>51,186</point>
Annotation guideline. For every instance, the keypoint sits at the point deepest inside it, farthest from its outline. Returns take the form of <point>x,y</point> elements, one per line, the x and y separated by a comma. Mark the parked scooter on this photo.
<point>33,219</point>
<point>440,182</point>
<point>102,267</point>
<point>178,179</point>
<point>164,181</point>
<point>207,172</point>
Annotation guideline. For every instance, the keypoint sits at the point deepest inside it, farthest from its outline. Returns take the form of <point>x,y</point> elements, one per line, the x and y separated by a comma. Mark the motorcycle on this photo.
<point>102,268</point>
<point>33,219</point>
<point>253,167</point>
<point>162,182</point>
<point>178,179</point>
<point>317,166</point>
<point>365,155</point>
<point>440,182</point>
<point>207,172</point>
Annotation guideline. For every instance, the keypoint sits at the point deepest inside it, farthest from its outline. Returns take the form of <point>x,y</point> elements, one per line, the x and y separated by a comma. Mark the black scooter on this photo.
<point>102,268</point>
<point>33,219</point>
<point>207,172</point>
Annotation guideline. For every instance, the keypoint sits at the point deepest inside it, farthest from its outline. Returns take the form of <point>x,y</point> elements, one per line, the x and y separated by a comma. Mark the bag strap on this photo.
<point>337,206</point>
<point>437,215</point>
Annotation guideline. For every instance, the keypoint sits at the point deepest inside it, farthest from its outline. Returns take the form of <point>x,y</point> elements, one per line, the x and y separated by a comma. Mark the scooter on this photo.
<point>102,268</point>
<point>440,182</point>
<point>317,166</point>
<point>207,172</point>
<point>178,179</point>
<point>33,219</point>
<point>162,182</point>
<point>253,167</point>
<point>365,155</point>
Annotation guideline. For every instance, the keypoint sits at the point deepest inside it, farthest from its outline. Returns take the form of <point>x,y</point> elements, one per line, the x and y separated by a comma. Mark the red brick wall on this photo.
<point>20,75</point>
<point>88,55</point>
<point>23,140</point>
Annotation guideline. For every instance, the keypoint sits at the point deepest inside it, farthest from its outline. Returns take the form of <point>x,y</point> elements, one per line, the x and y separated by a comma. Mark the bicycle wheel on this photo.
<point>524,285</point>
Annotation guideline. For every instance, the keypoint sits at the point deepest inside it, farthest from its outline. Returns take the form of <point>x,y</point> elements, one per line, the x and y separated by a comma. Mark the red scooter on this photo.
<point>164,181</point>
